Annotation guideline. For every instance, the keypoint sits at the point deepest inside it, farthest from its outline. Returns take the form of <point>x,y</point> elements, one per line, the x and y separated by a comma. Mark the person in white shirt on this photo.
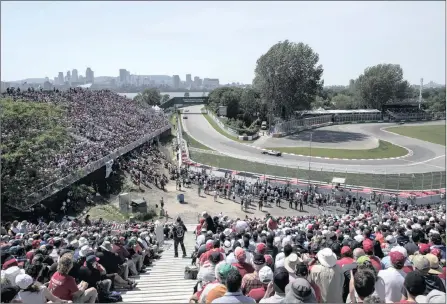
<point>391,280</point>
<point>275,291</point>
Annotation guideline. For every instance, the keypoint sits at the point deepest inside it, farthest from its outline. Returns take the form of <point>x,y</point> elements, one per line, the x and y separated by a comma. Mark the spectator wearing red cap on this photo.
<point>391,280</point>
<point>242,266</point>
<point>368,247</point>
<point>346,256</point>
<point>424,248</point>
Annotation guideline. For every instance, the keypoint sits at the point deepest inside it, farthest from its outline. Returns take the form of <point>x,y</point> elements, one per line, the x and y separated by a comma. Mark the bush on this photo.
<point>145,217</point>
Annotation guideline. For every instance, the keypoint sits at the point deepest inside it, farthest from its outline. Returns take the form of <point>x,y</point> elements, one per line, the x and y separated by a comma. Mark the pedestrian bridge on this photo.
<point>178,102</point>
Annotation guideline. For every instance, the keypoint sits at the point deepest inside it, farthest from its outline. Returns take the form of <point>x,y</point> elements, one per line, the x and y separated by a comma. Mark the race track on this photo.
<point>422,157</point>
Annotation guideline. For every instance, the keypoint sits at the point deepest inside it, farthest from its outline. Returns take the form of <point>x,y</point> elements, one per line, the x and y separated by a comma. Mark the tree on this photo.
<point>344,102</point>
<point>249,104</point>
<point>215,97</point>
<point>32,132</point>
<point>186,94</point>
<point>288,77</point>
<point>231,100</point>
<point>434,99</point>
<point>150,97</point>
<point>381,84</point>
<point>165,98</point>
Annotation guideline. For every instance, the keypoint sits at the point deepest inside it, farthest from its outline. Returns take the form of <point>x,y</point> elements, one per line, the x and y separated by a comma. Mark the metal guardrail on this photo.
<point>58,185</point>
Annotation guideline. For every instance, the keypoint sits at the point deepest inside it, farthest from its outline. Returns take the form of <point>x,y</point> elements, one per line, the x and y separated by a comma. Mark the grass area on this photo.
<point>384,150</point>
<point>415,181</point>
<point>223,132</point>
<point>108,213</point>
<point>434,133</point>
<point>192,142</point>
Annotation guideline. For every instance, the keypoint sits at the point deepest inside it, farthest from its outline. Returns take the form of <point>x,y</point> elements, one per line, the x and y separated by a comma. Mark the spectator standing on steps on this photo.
<point>179,230</point>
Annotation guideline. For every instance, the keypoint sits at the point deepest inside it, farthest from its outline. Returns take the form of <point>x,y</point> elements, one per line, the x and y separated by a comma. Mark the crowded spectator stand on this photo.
<point>394,257</point>
<point>99,122</point>
<point>75,261</point>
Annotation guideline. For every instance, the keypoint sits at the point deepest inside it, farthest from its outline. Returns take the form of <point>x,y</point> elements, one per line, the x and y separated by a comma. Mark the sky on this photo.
<point>219,39</point>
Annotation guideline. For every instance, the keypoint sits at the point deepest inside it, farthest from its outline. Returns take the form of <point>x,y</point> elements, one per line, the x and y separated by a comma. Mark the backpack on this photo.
<point>179,231</point>
<point>110,297</point>
<point>191,272</point>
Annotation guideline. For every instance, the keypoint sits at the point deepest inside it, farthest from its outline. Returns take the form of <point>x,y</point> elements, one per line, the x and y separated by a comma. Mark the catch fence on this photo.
<point>375,179</point>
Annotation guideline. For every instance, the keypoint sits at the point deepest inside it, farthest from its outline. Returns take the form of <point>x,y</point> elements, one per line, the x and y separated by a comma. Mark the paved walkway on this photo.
<point>164,281</point>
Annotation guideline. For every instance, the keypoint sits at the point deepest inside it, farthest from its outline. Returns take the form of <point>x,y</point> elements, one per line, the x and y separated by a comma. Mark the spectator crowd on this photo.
<point>99,123</point>
<point>395,257</point>
<point>73,261</point>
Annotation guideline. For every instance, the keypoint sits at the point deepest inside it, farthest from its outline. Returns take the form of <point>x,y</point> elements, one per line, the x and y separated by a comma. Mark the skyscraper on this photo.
<point>176,81</point>
<point>197,81</point>
<point>55,80</point>
<point>123,76</point>
<point>60,78</point>
<point>68,77</point>
<point>74,75</point>
<point>188,79</point>
<point>89,76</point>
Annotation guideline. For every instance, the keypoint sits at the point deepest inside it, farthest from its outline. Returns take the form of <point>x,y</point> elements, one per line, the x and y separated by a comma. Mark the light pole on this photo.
<point>310,156</point>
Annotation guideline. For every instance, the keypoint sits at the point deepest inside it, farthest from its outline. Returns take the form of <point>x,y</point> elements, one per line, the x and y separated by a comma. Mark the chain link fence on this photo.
<point>374,179</point>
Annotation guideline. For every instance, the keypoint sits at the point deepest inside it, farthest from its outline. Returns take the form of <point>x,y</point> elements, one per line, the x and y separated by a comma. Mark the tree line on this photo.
<point>289,78</point>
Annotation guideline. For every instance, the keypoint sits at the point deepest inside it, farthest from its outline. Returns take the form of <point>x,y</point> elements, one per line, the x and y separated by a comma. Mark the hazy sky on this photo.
<point>219,39</point>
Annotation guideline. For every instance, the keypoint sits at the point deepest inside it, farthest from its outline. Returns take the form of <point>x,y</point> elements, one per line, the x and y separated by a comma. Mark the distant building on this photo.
<point>5,85</point>
<point>74,75</point>
<point>81,79</point>
<point>176,81</point>
<point>197,82</point>
<point>68,77</point>
<point>211,82</point>
<point>55,81</point>
<point>188,79</point>
<point>123,76</point>
<point>60,78</point>
<point>89,76</point>
<point>47,85</point>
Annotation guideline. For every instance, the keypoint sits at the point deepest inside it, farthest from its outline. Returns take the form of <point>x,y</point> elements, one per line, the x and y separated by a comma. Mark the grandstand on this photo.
<point>405,111</point>
<point>101,125</point>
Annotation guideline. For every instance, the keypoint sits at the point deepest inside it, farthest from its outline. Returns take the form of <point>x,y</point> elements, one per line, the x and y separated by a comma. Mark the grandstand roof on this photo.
<point>323,111</point>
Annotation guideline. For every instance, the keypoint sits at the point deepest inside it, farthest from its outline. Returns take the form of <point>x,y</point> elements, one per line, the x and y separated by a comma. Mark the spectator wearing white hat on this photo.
<point>32,294</point>
<point>265,276</point>
<point>328,277</point>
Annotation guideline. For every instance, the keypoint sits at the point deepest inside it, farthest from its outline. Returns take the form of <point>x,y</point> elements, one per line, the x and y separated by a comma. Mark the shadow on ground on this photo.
<point>328,136</point>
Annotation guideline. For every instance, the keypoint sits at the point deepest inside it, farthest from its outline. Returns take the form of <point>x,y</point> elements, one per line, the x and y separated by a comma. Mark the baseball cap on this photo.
<point>414,283</point>
<point>345,249</point>
<point>424,248</point>
<point>224,270</point>
<point>265,274</point>
<point>434,264</point>
<point>268,259</point>
<point>239,254</point>
<point>397,258</point>
<point>261,247</point>
<point>420,262</point>
<point>364,258</point>
<point>368,245</point>
<point>23,281</point>
<point>258,259</point>
<point>91,259</point>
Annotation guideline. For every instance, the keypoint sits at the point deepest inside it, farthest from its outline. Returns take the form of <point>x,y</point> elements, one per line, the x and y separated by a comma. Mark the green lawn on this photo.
<point>384,150</point>
<point>415,181</point>
<point>434,133</point>
<point>223,132</point>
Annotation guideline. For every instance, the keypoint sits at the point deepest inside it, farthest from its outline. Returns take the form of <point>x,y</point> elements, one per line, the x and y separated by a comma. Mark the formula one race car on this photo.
<point>401,123</point>
<point>271,152</point>
<point>185,117</point>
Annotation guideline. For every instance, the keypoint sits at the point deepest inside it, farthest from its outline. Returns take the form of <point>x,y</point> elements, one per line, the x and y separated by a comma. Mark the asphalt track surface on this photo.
<point>422,157</point>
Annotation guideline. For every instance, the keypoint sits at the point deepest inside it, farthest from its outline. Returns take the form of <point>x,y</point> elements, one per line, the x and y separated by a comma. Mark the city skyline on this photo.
<point>166,38</point>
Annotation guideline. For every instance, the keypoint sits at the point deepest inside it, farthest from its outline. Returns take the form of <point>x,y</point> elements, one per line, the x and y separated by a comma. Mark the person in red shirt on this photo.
<point>346,256</point>
<point>64,286</point>
<point>368,247</point>
<point>265,276</point>
<point>210,248</point>
<point>242,266</point>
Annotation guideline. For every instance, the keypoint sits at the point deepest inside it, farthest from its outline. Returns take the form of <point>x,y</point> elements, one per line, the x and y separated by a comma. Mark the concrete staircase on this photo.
<point>164,281</point>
